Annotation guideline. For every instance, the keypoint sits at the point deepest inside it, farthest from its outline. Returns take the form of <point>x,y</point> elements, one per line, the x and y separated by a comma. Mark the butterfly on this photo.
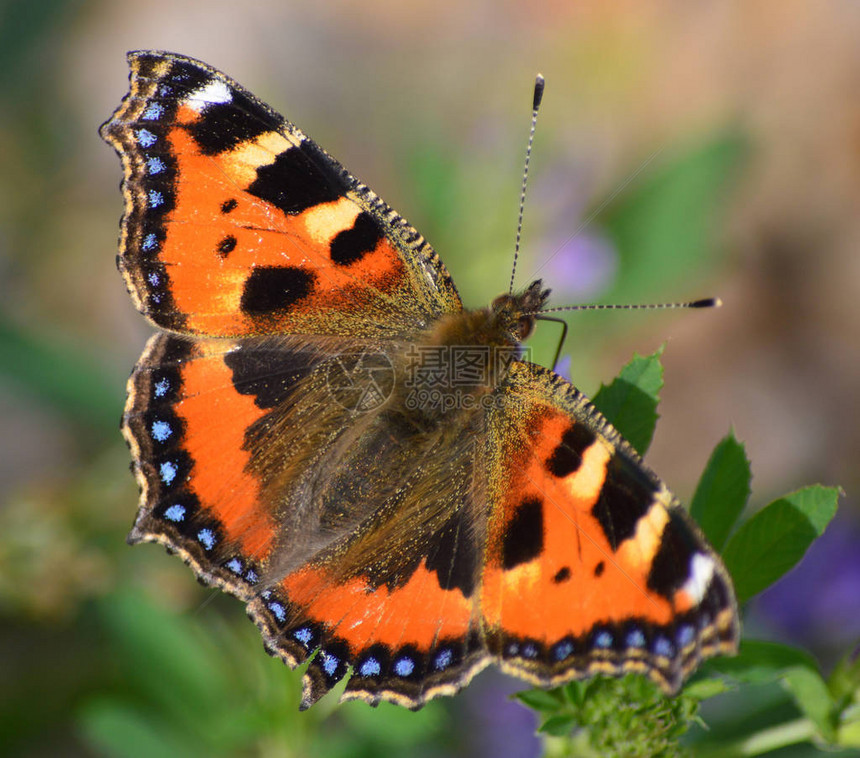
<point>321,429</point>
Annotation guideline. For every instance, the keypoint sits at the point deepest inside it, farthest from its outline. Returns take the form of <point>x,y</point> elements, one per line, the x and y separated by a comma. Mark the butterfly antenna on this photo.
<point>708,302</point>
<point>538,96</point>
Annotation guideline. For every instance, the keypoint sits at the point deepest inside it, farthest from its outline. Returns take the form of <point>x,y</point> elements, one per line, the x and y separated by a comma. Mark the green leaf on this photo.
<point>844,682</point>
<point>160,647</point>
<point>705,688</point>
<point>759,661</point>
<point>630,401</point>
<point>62,375</point>
<point>559,725</point>
<point>576,692</point>
<point>772,541</point>
<point>844,686</point>
<point>812,696</point>
<point>541,700</point>
<point>723,491</point>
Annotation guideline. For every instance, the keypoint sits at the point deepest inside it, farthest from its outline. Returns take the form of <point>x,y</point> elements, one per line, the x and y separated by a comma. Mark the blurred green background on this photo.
<point>684,150</point>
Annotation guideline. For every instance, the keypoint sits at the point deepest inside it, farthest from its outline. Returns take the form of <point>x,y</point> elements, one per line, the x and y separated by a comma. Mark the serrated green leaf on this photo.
<point>558,726</point>
<point>723,491</point>
<point>630,401</point>
<point>543,701</point>
<point>772,541</point>
<point>703,689</point>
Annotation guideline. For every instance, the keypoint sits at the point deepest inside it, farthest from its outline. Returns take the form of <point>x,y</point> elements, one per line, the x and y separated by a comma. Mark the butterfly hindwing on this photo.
<point>592,565</point>
<point>202,420</point>
<point>394,598</point>
<point>237,224</point>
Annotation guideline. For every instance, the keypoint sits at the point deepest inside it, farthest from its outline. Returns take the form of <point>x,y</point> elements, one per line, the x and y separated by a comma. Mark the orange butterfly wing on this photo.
<point>592,565</point>
<point>237,224</point>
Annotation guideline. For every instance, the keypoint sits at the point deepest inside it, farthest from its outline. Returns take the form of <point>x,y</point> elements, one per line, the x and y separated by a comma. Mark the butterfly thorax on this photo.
<point>463,357</point>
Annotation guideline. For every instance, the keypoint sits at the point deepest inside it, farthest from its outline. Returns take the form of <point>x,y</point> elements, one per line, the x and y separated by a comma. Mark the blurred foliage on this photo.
<point>664,226</point>
<point>22,24</point>
<point>661,222</point>
<point>61,375</point>
<point>190,687</point>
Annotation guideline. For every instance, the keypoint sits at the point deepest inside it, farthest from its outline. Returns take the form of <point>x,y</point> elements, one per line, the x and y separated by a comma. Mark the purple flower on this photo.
<point>579,267</point>
<point>818,602</point>
<point>499,725</point>
<point>562,368</point>
<point>573,258</point>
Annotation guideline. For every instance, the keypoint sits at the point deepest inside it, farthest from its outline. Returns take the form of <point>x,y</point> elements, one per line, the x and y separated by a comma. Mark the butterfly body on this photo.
<point>322,430</point>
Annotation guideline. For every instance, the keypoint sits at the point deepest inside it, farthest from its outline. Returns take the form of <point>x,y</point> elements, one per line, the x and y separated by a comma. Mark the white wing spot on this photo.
<point>701,572</point>
<point>211,93</point>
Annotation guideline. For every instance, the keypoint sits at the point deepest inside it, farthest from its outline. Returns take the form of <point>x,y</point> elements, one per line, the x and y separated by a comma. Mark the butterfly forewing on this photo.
<point>237,224</point>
